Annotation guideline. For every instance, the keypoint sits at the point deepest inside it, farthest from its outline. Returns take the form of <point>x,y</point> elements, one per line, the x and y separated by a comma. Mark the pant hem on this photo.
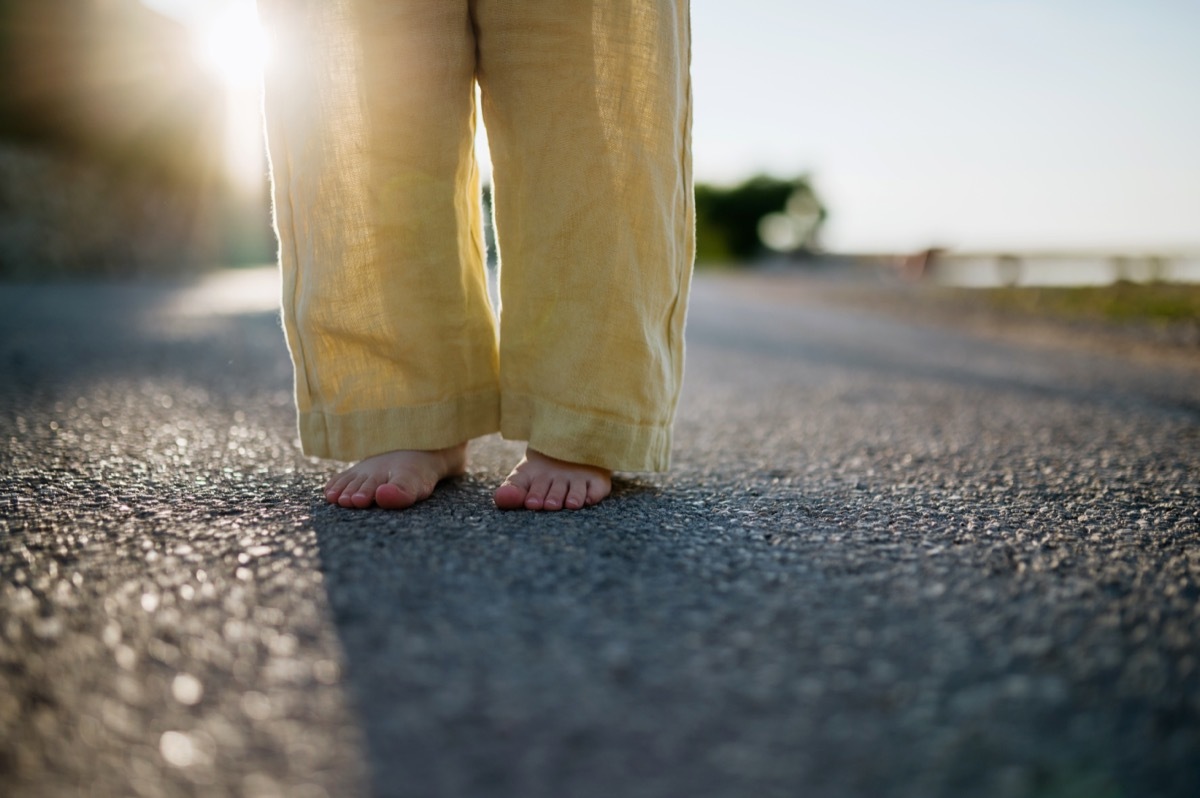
<point>363,433</point>
<point>578,436</point>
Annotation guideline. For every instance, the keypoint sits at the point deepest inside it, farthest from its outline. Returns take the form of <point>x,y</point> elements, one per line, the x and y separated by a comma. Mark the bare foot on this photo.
<point>540,482</point>
<point>395,480</point>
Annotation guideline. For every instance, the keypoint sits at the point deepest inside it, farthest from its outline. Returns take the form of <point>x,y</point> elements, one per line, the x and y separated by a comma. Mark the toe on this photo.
<point>364,494</point>
<point>576,495</point>
<point>596,491</point>
<point>511,494</point>
<point>335,486</point>
<point>556,495</point>
<point>536,498</point>
<point>393,496</point>
<point>346,499</point>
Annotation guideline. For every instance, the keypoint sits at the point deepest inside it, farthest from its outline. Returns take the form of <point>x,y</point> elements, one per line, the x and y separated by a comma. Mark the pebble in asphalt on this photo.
<point>891,559</point>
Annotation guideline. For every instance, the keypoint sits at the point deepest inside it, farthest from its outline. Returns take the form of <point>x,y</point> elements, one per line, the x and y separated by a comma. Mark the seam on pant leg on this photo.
<point>685,227</point>
<point>303,368</point>
<point>287,235</point>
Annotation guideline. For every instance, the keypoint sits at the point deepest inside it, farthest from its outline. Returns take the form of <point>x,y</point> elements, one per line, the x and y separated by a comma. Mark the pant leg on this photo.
<point>370,127</point>
<point>588,109</point>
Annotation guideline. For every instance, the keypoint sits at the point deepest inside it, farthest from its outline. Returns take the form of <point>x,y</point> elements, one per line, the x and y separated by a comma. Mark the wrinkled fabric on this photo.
<point>370,115</point>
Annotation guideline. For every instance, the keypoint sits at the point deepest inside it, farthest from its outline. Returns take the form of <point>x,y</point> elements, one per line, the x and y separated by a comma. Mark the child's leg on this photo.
<point>370,119</point>
<point>588,112</point>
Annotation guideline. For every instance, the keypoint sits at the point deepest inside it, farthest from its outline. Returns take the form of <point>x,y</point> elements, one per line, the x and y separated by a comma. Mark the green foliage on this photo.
<point>728,220</point>
<point>1161,303</point>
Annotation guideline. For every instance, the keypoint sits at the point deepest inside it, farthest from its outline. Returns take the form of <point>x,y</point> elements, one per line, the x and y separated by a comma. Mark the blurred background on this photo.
<point>129,140</point>
<point>994,141</point>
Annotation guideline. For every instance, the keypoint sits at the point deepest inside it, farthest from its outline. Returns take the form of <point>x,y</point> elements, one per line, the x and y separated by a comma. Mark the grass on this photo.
<point>1122,303</point>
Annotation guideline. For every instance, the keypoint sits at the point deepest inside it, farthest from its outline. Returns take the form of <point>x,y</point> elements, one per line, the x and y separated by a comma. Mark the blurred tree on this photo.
<point>736,224</point>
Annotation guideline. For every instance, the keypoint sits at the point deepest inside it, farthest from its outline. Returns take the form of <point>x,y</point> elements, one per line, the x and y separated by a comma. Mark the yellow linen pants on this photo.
<point>370,114</point>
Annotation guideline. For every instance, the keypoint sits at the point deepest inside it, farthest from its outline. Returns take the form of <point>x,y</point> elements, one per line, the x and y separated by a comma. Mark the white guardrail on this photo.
<point>989,269</point>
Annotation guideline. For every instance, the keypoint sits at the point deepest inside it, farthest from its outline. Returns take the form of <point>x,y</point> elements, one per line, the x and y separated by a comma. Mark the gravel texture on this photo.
<point>890,560</point>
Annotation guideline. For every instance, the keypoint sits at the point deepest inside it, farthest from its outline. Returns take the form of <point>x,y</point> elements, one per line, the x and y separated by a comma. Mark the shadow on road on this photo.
<point>659,645</point>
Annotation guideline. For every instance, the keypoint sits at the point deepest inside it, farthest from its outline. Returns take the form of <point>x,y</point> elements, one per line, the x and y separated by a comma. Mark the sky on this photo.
<point>969,124</point>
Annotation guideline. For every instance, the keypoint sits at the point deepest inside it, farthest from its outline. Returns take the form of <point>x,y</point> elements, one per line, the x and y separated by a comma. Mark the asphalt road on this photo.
<point>892,559</point>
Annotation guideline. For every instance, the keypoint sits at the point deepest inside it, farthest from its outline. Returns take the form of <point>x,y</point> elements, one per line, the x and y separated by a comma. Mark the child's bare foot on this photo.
<point>540,482</point>
<point>395,480</point>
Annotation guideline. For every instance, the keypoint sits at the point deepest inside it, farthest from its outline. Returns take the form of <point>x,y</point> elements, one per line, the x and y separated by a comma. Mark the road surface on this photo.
<point>892,559</point>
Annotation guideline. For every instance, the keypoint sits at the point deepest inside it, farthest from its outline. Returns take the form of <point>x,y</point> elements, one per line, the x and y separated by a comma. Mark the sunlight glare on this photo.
<point>233,45</point>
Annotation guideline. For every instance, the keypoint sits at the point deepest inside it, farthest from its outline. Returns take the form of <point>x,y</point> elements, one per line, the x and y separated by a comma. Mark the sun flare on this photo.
<point>233,45</point>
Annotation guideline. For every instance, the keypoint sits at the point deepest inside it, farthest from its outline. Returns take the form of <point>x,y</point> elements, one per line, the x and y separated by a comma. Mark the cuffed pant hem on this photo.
<point>580,437</point>
<point>363,433</point>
